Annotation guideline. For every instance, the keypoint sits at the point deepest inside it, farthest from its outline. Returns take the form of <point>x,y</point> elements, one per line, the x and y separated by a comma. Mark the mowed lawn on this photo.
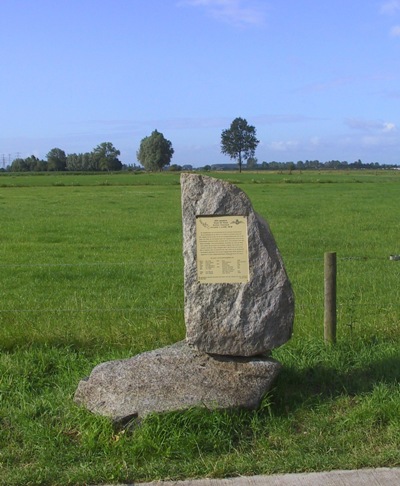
<point>91,270</point>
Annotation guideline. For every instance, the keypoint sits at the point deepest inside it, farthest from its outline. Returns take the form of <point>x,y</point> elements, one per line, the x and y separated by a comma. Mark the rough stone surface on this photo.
<point>234,319</point>
<point>176,377</point>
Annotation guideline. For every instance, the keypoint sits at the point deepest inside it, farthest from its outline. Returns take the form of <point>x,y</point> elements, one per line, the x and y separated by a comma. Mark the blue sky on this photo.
<point>318,79</point>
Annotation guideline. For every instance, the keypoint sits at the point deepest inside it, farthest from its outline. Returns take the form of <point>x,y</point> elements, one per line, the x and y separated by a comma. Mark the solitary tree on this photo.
<point>239,141</point>
<point>155,151</point>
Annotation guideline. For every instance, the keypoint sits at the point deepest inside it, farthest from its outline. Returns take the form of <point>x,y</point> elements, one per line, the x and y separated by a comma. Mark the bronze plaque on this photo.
<point>222,249</point>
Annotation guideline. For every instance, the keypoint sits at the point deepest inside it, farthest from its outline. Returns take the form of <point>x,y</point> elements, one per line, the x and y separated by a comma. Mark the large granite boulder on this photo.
<point>234,319</point>
<point>176,377</point>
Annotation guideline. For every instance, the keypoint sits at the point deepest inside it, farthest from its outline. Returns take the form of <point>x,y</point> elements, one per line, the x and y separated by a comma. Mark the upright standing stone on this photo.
<point>247,318</point>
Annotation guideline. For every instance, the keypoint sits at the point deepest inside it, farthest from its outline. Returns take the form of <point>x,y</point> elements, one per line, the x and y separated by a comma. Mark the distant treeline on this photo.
<point>104,157</point>
<point>302,165</point>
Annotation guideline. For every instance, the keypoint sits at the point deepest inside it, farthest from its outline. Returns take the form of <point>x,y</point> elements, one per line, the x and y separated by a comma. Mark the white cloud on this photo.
<point>389,127</point>
<point>370,125</point>
<point>390,7</point>
<point>240,13</point>
<point>283,146</point>
<point>363,125</point>
<point>395,31</point>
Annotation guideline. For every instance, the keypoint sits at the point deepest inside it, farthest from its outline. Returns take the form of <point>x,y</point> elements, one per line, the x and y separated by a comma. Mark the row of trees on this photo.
<point>314,165</point>
<point>238,141</point>
<point>104,157</point>
<point>155,152</point>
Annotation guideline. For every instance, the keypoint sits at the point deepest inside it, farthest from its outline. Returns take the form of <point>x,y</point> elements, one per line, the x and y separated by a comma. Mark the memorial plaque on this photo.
<point>222,249</point>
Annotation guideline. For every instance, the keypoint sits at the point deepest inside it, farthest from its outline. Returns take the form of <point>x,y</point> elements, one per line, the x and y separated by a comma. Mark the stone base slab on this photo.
<point>176,377</point>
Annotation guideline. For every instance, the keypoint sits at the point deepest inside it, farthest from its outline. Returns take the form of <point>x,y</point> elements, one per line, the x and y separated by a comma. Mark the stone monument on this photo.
<point>239,305</point>
<point>238,299</point>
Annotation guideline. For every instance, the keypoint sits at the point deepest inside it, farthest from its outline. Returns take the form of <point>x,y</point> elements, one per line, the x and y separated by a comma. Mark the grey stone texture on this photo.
<point>244,319</point>
<point>176,377</point>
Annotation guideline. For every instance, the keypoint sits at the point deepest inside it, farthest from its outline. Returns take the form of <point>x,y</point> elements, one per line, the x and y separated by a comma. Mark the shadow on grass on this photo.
<point>322,382</point>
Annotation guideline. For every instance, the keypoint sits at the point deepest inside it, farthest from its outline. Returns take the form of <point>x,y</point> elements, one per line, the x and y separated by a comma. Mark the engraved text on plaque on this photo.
<point>222,249</point>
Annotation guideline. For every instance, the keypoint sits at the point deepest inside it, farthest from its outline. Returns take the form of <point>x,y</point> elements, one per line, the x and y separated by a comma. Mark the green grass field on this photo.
<point>91,270</point>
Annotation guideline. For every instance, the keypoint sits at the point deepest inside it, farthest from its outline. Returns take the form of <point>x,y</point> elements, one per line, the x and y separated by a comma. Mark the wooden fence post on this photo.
<point>330,298</point>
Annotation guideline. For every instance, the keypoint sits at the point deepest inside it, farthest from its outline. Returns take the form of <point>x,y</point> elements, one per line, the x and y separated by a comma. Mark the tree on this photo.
<point>30,164</point>
<point>36,165</point>
<point>155,152</point>
<point>175,168</point>
<point>74,162</point>
<point>56,159</point>
<point>19,165</point>
<point>357,164</point>
<point>105,157</point>
<point>291,166</point>
<point>239,141</point>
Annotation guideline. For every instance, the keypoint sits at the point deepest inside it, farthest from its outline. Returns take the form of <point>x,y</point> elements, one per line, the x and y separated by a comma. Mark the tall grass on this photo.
<point>92,272</point>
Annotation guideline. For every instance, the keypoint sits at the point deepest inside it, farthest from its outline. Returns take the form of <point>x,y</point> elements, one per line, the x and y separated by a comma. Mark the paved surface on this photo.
<point>361,477</point>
